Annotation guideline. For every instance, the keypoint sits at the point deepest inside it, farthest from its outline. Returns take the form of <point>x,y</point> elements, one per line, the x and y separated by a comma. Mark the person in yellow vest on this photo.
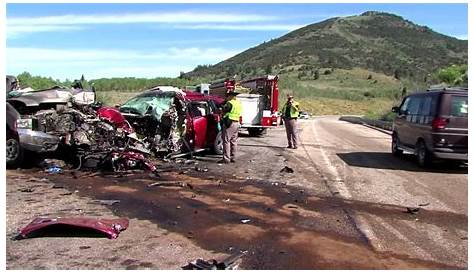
<point>230,127</point>
<point>290,113</point>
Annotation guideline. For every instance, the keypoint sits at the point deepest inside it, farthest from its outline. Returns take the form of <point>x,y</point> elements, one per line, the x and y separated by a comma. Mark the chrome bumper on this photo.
<point>447,153</point>
<point>37,141</point>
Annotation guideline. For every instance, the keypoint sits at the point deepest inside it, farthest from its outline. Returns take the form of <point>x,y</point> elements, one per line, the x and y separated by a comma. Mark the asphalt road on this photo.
<point>342,207</point>
<point>357,164</point>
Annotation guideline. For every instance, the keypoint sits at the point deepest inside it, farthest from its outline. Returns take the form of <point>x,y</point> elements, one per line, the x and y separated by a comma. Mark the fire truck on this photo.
<point>221,87</point>
<point>260,105</point>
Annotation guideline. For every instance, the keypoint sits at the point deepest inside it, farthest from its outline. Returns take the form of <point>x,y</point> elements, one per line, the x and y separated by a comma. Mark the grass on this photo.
<point>340,92</point>
<point>112,98</point>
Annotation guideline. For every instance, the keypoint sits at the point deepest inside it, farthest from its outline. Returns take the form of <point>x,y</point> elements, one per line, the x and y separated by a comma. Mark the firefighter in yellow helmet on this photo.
<point>290,113</point>
<point>230,127</point>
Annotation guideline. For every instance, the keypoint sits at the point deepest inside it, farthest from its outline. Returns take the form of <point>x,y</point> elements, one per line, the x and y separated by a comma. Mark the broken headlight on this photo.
<point>27,123</point>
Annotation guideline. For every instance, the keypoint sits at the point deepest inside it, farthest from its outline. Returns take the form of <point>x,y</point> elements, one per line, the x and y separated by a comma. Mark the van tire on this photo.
<point>423,155</point>
<point>396,151</point>
<point>218,146</point>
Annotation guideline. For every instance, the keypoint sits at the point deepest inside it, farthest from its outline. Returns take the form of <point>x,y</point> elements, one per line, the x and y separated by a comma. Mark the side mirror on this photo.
<point>396,109</point>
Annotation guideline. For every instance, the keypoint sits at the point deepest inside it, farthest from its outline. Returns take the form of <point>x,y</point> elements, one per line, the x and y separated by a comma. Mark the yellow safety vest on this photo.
<point>294,111</point>
<point>236,110</point>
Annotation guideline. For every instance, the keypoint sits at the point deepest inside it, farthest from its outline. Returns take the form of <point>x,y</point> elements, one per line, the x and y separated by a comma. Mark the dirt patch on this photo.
<point>287,228</point>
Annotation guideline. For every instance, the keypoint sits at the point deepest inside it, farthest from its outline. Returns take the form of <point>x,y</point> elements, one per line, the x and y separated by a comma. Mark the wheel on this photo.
<point>14,153</point>
<point>218,147</point>
<point>255,132</point>
<point>423,156</point>
<point>395,150</point>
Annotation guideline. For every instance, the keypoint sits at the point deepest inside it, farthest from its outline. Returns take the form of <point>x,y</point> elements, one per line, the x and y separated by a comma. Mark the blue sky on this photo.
<point>152,40</point>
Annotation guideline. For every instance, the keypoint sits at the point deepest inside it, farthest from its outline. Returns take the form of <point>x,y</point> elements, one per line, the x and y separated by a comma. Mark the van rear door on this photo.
<point>454,110</point>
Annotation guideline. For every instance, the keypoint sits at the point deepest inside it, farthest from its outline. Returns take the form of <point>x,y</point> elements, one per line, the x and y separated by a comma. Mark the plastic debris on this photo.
<point>54,170</point>
<point>244,221</point>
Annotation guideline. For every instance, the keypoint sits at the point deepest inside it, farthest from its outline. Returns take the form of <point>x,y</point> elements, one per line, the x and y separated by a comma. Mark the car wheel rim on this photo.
<point>12,149</point>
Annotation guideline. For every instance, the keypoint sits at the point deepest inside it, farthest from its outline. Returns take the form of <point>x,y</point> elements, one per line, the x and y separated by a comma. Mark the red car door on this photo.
<point>200,123</point>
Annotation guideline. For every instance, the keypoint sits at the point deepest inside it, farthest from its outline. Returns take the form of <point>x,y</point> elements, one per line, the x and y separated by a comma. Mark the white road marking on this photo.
<point>338,183</point>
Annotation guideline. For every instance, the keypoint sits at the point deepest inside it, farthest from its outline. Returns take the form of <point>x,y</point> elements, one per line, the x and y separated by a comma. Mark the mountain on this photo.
<point>376,41</point>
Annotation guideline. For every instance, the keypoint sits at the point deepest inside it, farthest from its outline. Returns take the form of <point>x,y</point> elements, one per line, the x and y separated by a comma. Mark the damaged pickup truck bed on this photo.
<point>69,120</point>
<point>172,121</point>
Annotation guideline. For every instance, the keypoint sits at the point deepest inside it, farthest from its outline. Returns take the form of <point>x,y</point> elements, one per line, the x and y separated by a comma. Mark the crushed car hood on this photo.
<point>52,95</point>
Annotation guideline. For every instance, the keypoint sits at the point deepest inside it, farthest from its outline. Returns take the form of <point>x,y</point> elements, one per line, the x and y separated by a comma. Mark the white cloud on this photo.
<point>170,54</point>
<point>177,17</point>
<point>68,63</point>
<point>16,31</point>
<point>71,22</point>
<point>260,27</point>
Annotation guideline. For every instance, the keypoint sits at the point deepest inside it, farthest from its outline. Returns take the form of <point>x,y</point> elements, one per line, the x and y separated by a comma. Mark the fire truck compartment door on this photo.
<point>252,108</point>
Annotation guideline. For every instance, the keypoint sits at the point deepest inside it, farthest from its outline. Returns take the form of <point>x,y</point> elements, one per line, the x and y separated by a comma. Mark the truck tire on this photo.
<point>255,132</point>
<point>218,147</point>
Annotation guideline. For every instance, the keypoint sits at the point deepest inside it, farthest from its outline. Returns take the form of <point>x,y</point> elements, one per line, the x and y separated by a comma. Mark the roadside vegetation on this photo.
<point>322,91</point>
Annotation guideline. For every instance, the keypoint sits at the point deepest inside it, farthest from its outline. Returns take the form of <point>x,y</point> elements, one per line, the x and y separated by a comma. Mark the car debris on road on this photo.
<point>68,225</point>
<point>230,263</point>
<point>287,169</point>
<point>412,210</point>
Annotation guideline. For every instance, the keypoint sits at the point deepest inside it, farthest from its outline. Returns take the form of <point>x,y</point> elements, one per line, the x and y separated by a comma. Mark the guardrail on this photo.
<point>363,121</point>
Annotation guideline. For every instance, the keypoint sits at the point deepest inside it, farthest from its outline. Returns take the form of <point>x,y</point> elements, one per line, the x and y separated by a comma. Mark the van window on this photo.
<point>426,111</point>
<point>458,106</point>
<point>404,106</point>
<point>414,106</point>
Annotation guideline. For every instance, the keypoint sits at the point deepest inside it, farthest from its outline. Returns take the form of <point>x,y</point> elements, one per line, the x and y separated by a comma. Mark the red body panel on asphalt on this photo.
<point>110,227</point>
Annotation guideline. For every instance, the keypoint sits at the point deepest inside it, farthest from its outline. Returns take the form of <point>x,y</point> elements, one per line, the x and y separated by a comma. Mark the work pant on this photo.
<point>229,141</point>
<point>291,132</point>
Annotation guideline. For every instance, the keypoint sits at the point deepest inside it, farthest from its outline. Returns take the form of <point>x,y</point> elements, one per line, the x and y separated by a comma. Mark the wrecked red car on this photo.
<point>172,121</point>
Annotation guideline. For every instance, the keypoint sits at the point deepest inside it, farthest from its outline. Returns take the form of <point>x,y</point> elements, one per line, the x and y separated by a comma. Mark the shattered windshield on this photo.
<point>154,104</point>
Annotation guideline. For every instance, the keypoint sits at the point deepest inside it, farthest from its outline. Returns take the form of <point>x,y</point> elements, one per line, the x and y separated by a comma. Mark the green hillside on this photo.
<point>375,41</point>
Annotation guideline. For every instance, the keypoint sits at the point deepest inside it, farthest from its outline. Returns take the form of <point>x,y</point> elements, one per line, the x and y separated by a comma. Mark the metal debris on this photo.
<point>412,210</point>
<point>26,189</point>
<point>171,183</point>
<point>108,202</point>
<point>109,227</point>
<point>244,221</point>
<point>230,263</point>
<point>287,169</point>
